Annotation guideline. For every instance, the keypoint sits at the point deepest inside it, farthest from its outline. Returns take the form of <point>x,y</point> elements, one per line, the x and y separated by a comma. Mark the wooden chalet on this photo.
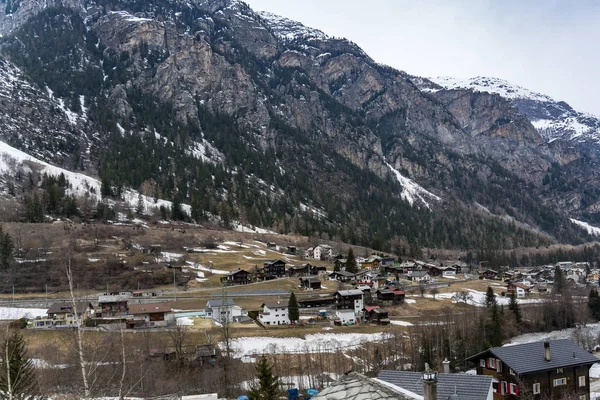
<point>310,283</point>
<point>274,269</point>
<point>342,276</point>
<point>237,277</point>
<point>299,270</point>
<point>556,369</point>
<point>376,315</point>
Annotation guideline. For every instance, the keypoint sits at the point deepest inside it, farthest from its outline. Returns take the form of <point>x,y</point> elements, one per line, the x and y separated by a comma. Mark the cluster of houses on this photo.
<point>557,369</point>
<point>125,309</point>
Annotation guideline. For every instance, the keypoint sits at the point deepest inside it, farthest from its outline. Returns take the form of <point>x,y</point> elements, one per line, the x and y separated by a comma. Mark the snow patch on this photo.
<point>592,230</point>
<point>411,191</point>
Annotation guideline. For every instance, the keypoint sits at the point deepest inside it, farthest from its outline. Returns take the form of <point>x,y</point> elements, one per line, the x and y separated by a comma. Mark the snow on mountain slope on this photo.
<point>592,230</point>
<point>288,29</point>
<point>553,119</point>
<point>12,159</point>
<point>411,191</point>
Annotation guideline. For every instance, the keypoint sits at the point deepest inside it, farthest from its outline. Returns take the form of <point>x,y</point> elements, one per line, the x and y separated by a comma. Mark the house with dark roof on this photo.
<point>554,369</point>
<point>145,315</point>
<point>349,300</point>
<point>312,282</point>
<point>342,276</point>
<point>449,386</point>
<point>274,269</point>
<point>237,277</point>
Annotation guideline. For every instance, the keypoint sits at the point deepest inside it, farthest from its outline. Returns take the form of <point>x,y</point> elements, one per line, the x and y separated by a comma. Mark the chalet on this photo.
<point>349,300</point>
<point>313,283</point>
<point>222,310</point>
<point>490,274</point>
<point>274,313</point>
<point>373,262</point>
<point>340,264</point>
<point>555,369</point>
<point>565,265</point>
<point>373,279</point>
<point>293,250</point>
<point>323,252</point>
<point>315,302</point>
<point>237,277</point>
<point>435,270</point>
<point>112,305</point>
<point>150,315</point>
<point>342,276</point>
<point>376,315</point>
<point>299,270</point>
<point>419,276</point>
<point>274,269</point>
<point>272,246</point>
<point>448,386</point>
<point>318,270</point>
<point>394,296</point>
<point>449,271</point>
<point>309,253</point>
<point>61,315</point>
<point>519,289</point>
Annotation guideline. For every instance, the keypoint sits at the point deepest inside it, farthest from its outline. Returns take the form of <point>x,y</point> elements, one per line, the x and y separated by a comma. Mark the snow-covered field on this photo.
<point>478,298</point>
<point>593,329</point>
<point>247,347</point>
<point>200,267</point>
<point>11,313</point>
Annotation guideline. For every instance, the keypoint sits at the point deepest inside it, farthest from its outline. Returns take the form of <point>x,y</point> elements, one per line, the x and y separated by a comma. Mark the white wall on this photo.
<point>274,316</point>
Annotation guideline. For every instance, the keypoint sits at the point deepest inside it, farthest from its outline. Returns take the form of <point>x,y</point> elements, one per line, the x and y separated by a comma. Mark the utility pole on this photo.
<point>174,287</point>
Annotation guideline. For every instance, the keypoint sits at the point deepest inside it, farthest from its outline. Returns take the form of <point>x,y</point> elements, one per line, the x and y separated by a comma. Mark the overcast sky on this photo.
<point>549,46</point>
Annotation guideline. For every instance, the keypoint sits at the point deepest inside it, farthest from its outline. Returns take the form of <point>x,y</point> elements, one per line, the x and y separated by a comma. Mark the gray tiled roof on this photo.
<point>529,357</point>
<point>219,302</point>
<point>354,386</point>
<point>468,387</point>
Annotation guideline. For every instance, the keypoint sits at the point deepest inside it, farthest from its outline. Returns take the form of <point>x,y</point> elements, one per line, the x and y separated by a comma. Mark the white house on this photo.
<point>274,313</point>
<point>346,316</point>
<point>221,310</point>
<point>322,251</point>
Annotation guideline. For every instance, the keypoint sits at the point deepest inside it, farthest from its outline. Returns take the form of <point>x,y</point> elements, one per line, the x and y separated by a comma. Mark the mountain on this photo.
<point>254,117</point>
<point>573,137</point>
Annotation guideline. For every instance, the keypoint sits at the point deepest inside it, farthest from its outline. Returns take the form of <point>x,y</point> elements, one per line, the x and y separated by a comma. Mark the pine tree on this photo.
<point>559,281</point>
<point>139,208</point>
<point>594,304</point>
<point>293,310</point>
<point>17,375</point>
<point>514,306</point>
<point>490,298</point>
<point>268,384</point>
<point>351,262</point>
<point>6,249</point>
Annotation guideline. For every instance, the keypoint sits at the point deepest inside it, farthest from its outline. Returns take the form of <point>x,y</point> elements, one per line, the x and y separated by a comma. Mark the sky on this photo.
<point>548,46</point>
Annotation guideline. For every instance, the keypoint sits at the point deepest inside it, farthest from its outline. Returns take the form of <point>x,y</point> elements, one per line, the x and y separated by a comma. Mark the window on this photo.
<point>482,362</point>
<point>559,370</point>
<point>536,388</point>
<point>504,388</point>
<point>560,382</point>
<point>498,366</point>
<point>512,372</point>
<point>581,381</point>
<point>492,363</point>
<point>514,389</point>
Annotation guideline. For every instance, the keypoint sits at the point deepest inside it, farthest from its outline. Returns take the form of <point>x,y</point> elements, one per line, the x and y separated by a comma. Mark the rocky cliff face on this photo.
<point>273,117</point>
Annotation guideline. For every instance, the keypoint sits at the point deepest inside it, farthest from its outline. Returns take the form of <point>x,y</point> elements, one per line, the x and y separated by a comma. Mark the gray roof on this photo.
<point>354,386</point>
<point>66,307</point>
<point>219,303</point>
<point>529,357</point>
<point>468,387</point>
<point>343,273</point>
<point>419,274</point>
<point>352,292</point>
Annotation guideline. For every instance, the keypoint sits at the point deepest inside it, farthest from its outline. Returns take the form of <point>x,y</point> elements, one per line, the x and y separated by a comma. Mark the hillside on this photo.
<point>252,117</point>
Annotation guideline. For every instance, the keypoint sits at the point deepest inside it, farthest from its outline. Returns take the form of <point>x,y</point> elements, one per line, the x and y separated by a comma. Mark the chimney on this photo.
<point>429,384</point>
<point>547,351</point>
<point>446,365</point>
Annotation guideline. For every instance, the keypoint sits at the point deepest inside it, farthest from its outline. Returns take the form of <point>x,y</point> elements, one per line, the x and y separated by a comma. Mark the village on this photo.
<point>359,304</point>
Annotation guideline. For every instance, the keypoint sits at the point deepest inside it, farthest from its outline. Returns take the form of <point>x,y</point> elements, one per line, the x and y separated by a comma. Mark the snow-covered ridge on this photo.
<point>490,85</point>
<point>128,17</point>
<point>288,29</point>
<point>412,191</point>
<point>553,119</point>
